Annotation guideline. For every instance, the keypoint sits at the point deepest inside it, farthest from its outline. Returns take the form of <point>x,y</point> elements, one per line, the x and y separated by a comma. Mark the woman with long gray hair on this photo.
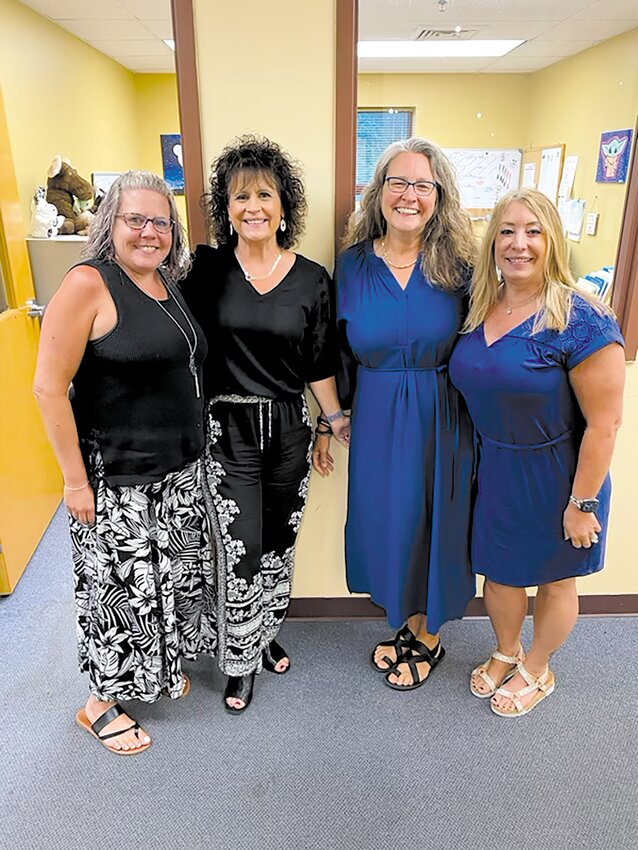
<point>402,294</point>
<point>128,439</point>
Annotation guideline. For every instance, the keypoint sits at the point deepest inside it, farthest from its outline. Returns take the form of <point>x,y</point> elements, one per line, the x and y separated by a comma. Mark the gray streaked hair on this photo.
<point>100,240</point>
<point>449,248</point>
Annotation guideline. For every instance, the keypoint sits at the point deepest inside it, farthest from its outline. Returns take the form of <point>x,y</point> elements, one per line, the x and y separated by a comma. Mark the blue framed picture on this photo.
<point>172,161</point>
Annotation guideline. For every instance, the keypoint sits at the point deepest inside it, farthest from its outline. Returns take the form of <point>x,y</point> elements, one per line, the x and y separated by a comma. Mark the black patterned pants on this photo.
<point>257,459</point>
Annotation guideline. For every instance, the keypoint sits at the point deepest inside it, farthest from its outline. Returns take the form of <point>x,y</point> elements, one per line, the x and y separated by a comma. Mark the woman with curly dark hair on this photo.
<point>266,312</point>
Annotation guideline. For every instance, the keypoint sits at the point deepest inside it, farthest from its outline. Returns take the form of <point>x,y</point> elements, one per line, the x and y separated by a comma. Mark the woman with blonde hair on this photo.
<point>401,292</point>
<point>541,367</point>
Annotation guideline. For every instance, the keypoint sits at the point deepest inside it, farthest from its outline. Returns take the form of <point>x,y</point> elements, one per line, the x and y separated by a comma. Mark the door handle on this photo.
<point>35,310</point>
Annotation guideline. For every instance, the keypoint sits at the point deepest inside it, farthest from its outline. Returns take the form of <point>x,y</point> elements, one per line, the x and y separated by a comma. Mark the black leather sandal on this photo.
<point>417,653</point>
<point>239,687</point>
<point>400,643</point>
<point>272,655</point>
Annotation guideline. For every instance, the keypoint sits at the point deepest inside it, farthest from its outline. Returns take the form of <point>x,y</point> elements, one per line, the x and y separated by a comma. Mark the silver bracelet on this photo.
<point>73,489</point>
<point>333,416</point>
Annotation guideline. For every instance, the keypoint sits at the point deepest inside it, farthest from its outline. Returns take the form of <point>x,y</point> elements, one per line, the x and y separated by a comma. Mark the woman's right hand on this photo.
<point>322,460</point>
<point>81,504</point>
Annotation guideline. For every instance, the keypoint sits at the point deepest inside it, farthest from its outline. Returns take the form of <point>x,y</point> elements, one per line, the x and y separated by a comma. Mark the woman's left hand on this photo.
<point>580,528</point>
<point>322,460</point>
<point>341,430</point>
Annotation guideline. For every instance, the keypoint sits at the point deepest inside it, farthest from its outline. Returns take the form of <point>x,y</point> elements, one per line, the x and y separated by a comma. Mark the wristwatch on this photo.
<point>587,506</point>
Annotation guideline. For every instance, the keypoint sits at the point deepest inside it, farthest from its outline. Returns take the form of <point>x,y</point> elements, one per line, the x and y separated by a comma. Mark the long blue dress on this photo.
<point>407,532</point>
<point>529,427</point>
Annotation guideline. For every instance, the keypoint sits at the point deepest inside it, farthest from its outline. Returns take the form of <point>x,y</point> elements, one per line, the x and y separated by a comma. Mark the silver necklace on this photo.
<point>251,277</point>
<point>510,307</point>
<point>192,346</point>
<point>384,253</point>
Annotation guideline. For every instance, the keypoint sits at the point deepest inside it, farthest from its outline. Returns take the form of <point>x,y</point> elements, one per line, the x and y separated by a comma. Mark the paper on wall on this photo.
<point>529,175</point>
<point>575,219</point>
<point>567,179</point>
<point>550,172</point>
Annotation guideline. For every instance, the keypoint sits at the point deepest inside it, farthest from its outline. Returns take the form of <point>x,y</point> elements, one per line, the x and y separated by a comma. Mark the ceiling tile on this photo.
<point>147,64</point>
<point>557,49</point>
<point>611,10</point>
<point>143,9</point>
<point>152,47</point>
<point>73,10</point>
<point>108,30</point>
<point>160,29</point>
<point>580,30</point>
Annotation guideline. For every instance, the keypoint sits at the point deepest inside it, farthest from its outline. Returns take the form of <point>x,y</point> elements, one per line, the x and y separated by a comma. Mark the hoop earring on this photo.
<point>282,225</point>
<point>230,228</point>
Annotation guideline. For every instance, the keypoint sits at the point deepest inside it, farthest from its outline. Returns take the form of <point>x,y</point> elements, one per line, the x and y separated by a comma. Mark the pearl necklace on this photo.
<point>251,277</point>
<point>384,254</point>
<point>510,307</point>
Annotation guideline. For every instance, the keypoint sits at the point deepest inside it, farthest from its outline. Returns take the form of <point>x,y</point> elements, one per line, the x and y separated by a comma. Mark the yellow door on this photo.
<point>30,479</point>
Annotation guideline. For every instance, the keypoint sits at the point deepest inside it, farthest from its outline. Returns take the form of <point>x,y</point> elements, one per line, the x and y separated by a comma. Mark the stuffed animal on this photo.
<point>45,221</point>
<point>64,184</point>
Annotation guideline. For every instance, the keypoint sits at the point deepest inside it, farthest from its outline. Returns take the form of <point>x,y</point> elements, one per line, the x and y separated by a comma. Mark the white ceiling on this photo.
<point>129,31</point>
<point>132,31</point>
<point>552,29</point>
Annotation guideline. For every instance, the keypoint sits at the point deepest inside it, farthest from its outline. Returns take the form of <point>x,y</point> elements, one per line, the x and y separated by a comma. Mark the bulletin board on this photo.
<point>485,175</point>
<point>542,169</point>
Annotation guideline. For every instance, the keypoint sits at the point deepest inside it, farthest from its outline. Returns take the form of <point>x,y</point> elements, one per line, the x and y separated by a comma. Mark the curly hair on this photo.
<point>558,288</point>
<point>252,155</point>
<point>100,239</point>
<point>449,248</point>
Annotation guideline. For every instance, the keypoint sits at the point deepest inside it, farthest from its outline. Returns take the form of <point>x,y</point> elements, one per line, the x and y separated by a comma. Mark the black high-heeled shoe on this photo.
<point>272,655</point>
<point>239,687</point>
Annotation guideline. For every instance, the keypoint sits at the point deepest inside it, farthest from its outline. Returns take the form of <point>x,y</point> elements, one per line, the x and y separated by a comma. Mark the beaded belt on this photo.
<point>262,401</point>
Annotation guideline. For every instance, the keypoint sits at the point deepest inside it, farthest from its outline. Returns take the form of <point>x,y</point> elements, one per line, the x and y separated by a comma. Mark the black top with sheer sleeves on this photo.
<point>267,345</point>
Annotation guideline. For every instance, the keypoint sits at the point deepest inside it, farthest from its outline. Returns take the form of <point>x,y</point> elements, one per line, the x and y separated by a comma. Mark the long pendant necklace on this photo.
<point>510,307</point>
<point>251,277</point>
<point>192,346</point>
<point>384,254</point>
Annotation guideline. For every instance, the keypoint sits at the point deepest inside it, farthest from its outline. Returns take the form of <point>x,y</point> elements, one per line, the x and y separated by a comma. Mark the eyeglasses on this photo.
<point>422,188</point>
<point>136,221</point>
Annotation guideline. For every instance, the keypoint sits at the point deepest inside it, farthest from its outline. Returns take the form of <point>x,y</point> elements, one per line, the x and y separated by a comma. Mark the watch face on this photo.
<point>589,505</point>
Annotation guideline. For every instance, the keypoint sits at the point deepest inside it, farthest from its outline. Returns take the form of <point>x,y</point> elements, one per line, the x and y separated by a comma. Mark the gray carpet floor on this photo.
<point>326,756</point>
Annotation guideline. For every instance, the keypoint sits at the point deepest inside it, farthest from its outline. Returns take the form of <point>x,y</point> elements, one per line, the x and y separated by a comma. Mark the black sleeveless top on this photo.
<point>133,392</point>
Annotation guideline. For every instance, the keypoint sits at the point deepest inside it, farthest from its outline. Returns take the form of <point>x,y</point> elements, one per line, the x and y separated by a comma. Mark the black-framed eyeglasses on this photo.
<point>423,188</point>
<point>137,221</point>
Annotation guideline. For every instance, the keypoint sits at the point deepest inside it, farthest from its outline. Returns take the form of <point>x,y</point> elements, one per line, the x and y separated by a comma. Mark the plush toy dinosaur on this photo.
<point>64,184</point>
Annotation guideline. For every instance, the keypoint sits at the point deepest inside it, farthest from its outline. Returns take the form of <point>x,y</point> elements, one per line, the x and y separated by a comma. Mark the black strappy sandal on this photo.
<point>421,653</point>
<point>272,655</point>
<point>239,687</point>
<point>400,643</point>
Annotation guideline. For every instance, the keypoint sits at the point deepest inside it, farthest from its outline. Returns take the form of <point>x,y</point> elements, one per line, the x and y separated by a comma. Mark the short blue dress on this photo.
<point>529,428</point>
<point>409,500</point>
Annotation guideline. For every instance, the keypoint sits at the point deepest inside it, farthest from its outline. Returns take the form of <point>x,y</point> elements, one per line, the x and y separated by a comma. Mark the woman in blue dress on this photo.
<point>541,367</point>
<point>401,293</point>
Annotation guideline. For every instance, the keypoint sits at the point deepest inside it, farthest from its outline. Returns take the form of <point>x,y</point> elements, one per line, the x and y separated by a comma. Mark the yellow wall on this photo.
<point>62,96</point>
<point>157,113</point>
<point>575,101</point>
<point>446,105</point>
<point>273,74</point>
<point>571,102</point>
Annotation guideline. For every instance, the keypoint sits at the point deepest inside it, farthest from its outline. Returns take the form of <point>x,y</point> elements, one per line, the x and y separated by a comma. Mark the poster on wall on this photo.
<point>172,161</point>
<point>613,156</point>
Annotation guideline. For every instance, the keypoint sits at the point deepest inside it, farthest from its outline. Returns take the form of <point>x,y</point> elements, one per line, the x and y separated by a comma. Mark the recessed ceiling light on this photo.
<point>436,49</point>
<point>169,43</point>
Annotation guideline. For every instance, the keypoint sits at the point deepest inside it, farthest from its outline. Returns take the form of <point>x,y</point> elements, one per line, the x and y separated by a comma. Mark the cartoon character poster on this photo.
<point>613,156</point>
<point>172,161</point>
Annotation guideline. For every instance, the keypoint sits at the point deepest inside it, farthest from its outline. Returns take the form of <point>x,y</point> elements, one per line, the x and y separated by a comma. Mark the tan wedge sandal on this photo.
<point>481,672</point>
<point>543,685</point>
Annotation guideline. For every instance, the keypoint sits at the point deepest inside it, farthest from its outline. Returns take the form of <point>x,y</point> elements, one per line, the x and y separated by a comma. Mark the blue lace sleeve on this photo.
<point>587,333</point>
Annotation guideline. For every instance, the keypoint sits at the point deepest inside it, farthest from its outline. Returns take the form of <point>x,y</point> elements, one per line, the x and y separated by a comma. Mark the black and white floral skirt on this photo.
<point>144,584</point>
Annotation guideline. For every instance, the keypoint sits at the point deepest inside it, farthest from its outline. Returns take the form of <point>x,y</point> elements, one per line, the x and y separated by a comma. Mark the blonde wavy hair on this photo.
<point>558,288</point>
<point>449,248</point>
